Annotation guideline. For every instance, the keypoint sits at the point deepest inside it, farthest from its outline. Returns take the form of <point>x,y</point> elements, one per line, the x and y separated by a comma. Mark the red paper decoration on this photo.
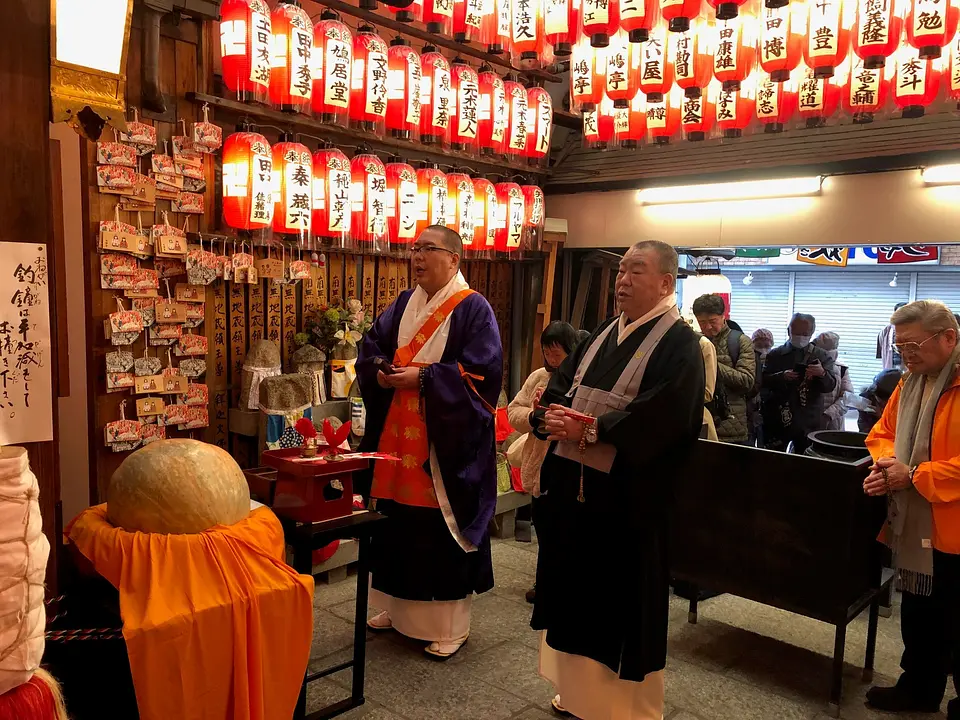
<point>435,98</point>
<point>638,17</point>
<point>656,69</point>
<point>697,113</point>
<point>368,217</point>
<point>402,202</point>
<point>587,69</point>
<point>332,181</point>
<point>735,109</point>
<point>403,91</point>
<point>878,30</point>
<point>663,117</point>
<point>493,117</point>
<point>292,188</point>
<point>598,125</point>
<point>561,25</point>
<point>865,93</point>
<point>776,103</point>
<point>817,97</point>
<point>599,20</point>
<point>623,69</point>
<point>460,206</point>
<point>828,35</point>
<point>465,89</point>
<point>333,55</point>
<point>539,124</point>
<point>368,89</point>
<point>535,214</point>
<point>630,124</point>
<point>693,58</point>
<point>516,141</point>
<point>916,82</point>
<point>468,18</point>
<point>526,29</point>
<point>511,214</point>
<point>291,75</point>
<point>485,213</point>
<point>438,16</point>
<point>247,181</point>
<point>781,39</point>
<point>679,13</point>
<point>431,197</point>
<point>246,47</point>
<point>735,50</point>
<point>931,25</point>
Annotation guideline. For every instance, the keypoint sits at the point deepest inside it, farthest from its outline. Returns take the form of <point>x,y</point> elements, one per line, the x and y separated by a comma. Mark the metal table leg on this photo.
<point>871,639</point>
<point>360,621</point>
<point>836,688</point>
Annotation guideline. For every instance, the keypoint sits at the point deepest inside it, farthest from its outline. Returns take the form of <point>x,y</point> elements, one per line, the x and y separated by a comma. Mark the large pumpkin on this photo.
<point>177,487</point>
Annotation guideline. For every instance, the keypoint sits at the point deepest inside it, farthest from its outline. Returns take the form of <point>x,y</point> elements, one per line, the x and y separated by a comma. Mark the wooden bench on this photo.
<point>504,521</point>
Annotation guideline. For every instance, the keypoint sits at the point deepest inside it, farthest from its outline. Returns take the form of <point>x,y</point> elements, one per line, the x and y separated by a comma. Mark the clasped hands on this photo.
<point>406,378</point>
<point>897,477</point>
<point>560,426</point>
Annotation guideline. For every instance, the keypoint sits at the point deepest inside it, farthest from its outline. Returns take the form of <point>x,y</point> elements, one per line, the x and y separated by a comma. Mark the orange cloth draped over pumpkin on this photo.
<point>217,625</point>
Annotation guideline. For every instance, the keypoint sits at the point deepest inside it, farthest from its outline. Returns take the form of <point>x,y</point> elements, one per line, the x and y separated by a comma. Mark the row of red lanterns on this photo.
<point>366,205</point>
<point>341,77</point>
<point>905,84</point>
<point>817,36</point>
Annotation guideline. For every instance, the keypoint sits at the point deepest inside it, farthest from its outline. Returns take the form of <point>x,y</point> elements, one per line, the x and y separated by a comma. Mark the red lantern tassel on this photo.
<point>39,698</point>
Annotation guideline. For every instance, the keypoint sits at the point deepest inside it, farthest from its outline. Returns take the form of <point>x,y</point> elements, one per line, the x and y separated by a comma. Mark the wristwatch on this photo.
<point>590,433</point>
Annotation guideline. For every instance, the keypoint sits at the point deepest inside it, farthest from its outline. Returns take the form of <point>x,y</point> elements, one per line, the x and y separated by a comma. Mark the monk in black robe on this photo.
<point>624,410</point>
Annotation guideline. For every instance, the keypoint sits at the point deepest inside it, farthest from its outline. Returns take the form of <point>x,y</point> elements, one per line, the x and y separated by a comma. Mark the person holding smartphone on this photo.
<point>796,376</point>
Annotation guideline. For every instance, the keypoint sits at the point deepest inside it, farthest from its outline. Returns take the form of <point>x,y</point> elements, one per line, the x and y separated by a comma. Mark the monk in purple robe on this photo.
<point>430,372</point>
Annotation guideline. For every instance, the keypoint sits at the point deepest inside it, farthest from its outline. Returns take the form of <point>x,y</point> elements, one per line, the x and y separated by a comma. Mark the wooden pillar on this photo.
<point>553,241</point>
<point>26,206</point>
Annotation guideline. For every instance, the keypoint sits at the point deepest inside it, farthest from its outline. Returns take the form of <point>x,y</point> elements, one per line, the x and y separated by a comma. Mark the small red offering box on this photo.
<point>307,491</point>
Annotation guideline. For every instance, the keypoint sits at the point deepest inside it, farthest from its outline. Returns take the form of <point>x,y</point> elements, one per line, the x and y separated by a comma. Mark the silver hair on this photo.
<point>668,262</point>
<point>933,315</point>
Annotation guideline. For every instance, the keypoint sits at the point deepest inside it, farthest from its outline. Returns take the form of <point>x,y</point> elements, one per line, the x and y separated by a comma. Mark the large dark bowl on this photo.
<point>838,445</point>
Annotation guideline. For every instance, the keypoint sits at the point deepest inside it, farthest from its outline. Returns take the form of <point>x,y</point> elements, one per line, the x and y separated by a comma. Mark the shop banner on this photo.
<point>899,254</point>
<point>827,256</point>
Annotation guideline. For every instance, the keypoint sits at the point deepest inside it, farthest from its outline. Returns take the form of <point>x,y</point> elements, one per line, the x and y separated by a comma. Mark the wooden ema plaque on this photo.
<point>371,267</point>
<point>238,337</point>
<point>351,278</point>
<point>217,374</point>
<point>273,312</point>
<point>303,490</point>
<point>288,320</point>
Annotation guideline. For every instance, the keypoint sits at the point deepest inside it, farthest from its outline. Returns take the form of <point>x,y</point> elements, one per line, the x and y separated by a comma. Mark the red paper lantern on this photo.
<point>401,202</point>
<point>498,27</point>
<point>727,10</point>
<point>368,89</point>
<point>587,80</point>
<point>539,124</point>
<point>656,69</point>
<point>485,213</point>
<point>598,125</point>
<point>526,29</point>
<point>916,82</point>
<point>735,50</point>
<point>953,68</point>
<point>438,16</point>
<point>465,90</point>
<point>332,180</point>
<point>599,20</point>
<point>697,113</point>
<point>878,31</point>
<point>535,216</point>
<point>403,91</point>
<point>247,181</point>
<point>368,218</point>
<point>493,117</point>
<point>516,142</point>
<point>435,98</point>
<point>865,93</point>
<point>828,34</point>
<point>460,206</point>
<point>291,78</point>
<point>776,103</point>
<point>680,13</point>
<point>931,25</point>
<point>630,124</point>
<point>663,117</point>
<point>638,17</point>
<point>333,56</point>
<point>431,197</point>
<point>623,70</point>
<point>292,188</point>
<point>511,213</point>
<point>561,25</point>
<point>781,39</point>
<point>735,109</point>
<point>406,14</point>
<point>817,97</point>
<point>693,58</point>
<point>468,17</point>
<point>246,47</point>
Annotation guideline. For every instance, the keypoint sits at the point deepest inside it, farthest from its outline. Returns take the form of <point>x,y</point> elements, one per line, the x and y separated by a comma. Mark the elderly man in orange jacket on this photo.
<point>916,450</point>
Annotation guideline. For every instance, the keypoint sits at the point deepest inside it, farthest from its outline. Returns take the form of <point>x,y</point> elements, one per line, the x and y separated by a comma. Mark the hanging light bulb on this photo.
<point>748,280</point>
<point>893,283</point>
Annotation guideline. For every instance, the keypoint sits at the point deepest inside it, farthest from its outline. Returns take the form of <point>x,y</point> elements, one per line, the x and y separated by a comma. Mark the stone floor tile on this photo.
<point>508,554</point>
<point>507,666</point>
<point>512,585</point>
<point>330,633</point>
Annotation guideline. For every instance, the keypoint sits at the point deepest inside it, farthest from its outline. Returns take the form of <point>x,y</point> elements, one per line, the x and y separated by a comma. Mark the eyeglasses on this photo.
<point>421,249</point>
<point>912,347</point>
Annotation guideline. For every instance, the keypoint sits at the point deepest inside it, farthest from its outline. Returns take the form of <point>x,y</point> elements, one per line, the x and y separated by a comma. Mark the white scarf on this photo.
<point>625,328</point>
<point>419,309</point>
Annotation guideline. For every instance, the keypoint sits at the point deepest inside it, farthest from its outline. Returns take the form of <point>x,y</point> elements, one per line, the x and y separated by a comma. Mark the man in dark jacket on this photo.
<point>795,376</point>
<point>736,366</point>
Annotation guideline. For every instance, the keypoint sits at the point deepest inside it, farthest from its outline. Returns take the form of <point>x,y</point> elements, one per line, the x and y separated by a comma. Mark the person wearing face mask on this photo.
<point>762,342</point>
<point>796,376</point>
<point>834,402</point>
<point>557,341</point>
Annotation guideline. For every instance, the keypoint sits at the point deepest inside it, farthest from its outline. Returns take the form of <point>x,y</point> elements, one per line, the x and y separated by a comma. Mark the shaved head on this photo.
<point>447,238</point>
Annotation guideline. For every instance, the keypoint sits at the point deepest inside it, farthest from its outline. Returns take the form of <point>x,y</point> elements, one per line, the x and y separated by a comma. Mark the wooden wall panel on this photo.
<point>351,277</point>
<point>238,337</point>
<point>335,261</point>
<point>217,374</point>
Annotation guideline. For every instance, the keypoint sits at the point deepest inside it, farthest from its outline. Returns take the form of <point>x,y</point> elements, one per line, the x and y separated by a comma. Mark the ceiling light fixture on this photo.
<point>941,174</point>
<point>893,283</point>
<point>718,192</point>
<point>748,280</point>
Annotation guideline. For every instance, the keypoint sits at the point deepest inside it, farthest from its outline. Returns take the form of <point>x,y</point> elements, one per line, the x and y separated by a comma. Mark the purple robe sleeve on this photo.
<point>459,424</point>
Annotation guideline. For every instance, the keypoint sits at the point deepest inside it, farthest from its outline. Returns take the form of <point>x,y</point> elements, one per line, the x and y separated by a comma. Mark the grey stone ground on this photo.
<point>742,661</point>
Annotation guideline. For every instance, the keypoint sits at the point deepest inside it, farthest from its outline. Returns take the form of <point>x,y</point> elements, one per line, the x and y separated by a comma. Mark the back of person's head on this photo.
<point>885,382</point>
<point>827,341</point>
<point>559,334</point>
<point>582,335</point>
